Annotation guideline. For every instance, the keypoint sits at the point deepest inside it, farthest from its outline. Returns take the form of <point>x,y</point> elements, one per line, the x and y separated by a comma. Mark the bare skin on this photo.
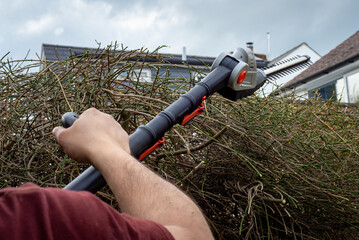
<point>96,138</point>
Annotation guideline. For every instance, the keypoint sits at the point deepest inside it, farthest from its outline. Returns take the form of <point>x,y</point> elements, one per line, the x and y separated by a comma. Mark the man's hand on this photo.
<point>91,135</point>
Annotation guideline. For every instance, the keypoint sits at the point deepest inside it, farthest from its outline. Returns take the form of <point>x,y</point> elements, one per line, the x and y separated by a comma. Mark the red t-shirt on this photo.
<point>31,212</point>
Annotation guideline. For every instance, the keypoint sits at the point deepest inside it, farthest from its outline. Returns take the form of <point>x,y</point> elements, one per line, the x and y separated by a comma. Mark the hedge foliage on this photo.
<point>260,168</point>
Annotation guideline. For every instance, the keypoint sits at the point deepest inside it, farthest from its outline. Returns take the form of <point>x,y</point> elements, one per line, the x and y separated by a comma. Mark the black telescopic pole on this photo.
<point>147,135</point>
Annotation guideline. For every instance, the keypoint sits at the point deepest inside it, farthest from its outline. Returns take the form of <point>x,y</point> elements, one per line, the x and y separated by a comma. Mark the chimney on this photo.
<point>184,54</point>
<point>250,45</point>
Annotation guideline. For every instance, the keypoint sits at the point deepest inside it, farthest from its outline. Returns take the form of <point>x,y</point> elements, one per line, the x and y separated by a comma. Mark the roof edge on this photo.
<point>290,51</point>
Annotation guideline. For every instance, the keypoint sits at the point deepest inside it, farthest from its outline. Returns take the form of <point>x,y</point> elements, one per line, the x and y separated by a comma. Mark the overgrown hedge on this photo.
<point>260,168</point>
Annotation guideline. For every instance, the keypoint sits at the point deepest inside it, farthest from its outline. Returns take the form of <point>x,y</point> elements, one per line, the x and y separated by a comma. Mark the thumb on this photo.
<point>57,131</point>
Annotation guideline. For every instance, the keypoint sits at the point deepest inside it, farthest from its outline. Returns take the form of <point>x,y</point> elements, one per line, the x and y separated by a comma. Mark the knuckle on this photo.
<point>92,110</point>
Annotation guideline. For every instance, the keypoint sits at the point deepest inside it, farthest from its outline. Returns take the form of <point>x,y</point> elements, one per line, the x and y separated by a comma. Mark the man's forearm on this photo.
<point>142,193</point>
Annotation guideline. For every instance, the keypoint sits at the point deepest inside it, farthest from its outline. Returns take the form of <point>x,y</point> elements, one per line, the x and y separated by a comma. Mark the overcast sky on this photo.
<point>205,27</point>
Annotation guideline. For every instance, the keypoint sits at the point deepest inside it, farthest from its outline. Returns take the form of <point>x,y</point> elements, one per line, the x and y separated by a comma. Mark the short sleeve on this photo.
<point>31,212</point>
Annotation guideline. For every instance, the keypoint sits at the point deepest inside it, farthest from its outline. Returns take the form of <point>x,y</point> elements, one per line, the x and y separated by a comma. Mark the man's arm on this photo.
<point>96,138</point>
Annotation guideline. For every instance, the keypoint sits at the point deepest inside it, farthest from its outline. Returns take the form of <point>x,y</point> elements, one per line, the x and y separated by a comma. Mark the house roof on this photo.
<point>59,52</point>
<point>345,53</point>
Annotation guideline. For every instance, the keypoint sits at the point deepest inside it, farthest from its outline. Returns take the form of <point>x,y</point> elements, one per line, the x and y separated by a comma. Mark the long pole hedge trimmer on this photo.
<point>234,76</point>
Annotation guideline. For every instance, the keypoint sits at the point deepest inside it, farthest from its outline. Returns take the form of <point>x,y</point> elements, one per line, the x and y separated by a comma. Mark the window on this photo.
<point>325,92</point>
<point>141,75</point>
<point>345,89</point>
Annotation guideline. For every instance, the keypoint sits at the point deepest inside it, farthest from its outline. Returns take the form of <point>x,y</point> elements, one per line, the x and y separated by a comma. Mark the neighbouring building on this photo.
<point>175,64</point>
<point>178,64</point>
<point>278,82</point>
<point>334,76</point>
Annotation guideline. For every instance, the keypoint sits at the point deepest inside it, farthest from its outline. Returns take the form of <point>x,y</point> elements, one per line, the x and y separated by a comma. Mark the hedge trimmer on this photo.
<point>234,76</point>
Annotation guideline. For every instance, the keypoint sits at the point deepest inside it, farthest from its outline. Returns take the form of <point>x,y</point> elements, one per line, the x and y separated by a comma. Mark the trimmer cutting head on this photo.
<point>240,87</point>
<point>245,79</point>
